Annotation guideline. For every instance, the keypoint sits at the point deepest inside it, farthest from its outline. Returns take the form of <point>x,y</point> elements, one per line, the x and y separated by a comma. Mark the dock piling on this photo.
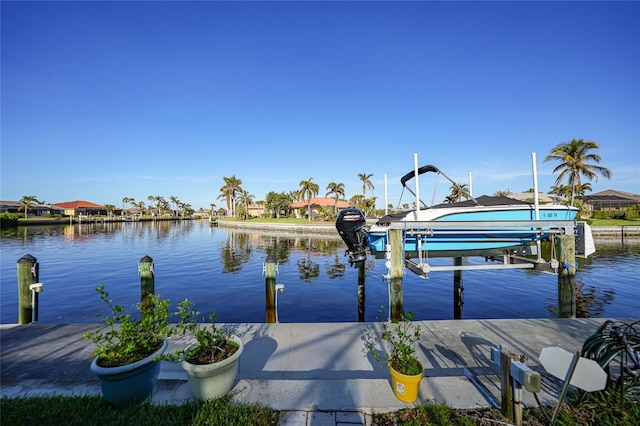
<point>147,280</point>
<point>396,273</point>
<point>361,291</point>
<point>28,273</point>
<point>270,271</point>
<point>458,289</point>
<point>566,276</point>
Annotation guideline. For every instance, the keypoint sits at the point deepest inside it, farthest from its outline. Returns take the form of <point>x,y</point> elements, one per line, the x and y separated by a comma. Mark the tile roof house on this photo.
<point>316,203</point>
<point>80,207</point>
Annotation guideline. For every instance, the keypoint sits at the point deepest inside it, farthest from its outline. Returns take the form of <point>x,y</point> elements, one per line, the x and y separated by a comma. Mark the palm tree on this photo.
<point>158,200</point>
<point>26,202</point>
<point>295,195</point>
<point>187,210</point>
<point>164,205</point>
<point>109,208</point>
<point>337,189</point>
<point>140,206</point>
<point>174,201</point>
<point>309,189</point>
<point>229,190</point>
<point>245,199</point>
<point>576,161</point>
<point>504,193</point>
<point>366,183</point>
<point>458,191</point>
<point>130,201</point>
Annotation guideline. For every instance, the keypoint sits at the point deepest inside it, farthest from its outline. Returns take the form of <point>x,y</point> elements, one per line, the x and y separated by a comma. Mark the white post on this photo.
<point>470,185</point>
<point>535,198</point>
<point>386,196</point>
<point>415,168</point>
<point>535,184</point>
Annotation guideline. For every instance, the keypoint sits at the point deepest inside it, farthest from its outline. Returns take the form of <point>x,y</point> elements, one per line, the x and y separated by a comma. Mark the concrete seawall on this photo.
<point>626,232</point>
<point>328,229</point>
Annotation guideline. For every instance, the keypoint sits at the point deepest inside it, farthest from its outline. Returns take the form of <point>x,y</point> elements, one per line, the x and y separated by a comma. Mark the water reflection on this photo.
<point>236,251</point>
<point>335,268</point>
<point>590,302</point>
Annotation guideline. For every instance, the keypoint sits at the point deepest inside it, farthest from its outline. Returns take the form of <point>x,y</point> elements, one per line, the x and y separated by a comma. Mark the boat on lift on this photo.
<point>476,226</point>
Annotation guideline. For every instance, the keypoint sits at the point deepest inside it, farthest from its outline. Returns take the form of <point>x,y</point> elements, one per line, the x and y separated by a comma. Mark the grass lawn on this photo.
<point>614,222</point>
<point>600,409</point>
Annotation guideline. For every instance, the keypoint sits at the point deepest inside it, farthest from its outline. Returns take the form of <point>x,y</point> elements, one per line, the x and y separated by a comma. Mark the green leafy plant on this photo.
<point>128,338</point>
<point>213,344</point>
<point>401,337</point>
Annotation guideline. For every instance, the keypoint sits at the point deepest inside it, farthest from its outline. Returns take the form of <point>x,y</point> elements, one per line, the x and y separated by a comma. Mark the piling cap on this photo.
<point>271,258</point>
<point>27,258</point>
<point>146,259</point>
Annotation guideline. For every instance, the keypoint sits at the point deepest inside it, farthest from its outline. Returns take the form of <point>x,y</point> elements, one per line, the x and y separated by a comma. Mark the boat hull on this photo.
<point>488,231</point>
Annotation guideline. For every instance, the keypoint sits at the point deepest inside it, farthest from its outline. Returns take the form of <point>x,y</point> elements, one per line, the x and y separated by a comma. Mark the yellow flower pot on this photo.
<point>405,388</point>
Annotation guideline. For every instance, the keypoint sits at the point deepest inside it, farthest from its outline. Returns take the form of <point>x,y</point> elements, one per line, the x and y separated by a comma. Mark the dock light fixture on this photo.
<point>279,289</point>
<point>35,289</point>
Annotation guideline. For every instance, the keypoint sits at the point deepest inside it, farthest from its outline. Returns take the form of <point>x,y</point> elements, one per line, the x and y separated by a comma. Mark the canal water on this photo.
<point>221,270</point>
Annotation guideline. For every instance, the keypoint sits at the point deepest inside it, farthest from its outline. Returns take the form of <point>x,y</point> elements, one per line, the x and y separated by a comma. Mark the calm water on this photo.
<point>221,270</point>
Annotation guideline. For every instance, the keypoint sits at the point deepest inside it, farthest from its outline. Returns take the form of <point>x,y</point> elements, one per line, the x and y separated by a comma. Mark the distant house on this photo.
<point>542,197</point>
<point>81,208</point>
<point>255,210</point>
<point>34,210</point>
<point>299,206</point>
<point>611,200</point>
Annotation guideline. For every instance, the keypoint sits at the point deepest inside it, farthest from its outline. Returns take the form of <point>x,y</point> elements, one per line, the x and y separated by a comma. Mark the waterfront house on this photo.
<point>300,207</point>
<point>39,210</point>
<point>611,200</point>
<point>81,208</point>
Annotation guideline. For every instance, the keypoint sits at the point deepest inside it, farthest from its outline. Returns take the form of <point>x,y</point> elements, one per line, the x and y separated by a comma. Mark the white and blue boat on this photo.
<point>476,226</point>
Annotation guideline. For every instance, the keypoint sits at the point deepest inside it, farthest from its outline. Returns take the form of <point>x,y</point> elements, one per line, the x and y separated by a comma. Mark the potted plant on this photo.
<point>130,347</point>
<point>211,363</point>
<point>406,371</point>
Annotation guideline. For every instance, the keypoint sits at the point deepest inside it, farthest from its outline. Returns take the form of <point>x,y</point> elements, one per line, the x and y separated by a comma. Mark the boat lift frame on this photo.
<point>511,257</point>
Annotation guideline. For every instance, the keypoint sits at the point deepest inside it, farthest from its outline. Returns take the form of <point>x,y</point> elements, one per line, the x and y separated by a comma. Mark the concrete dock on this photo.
<point>320,373</point>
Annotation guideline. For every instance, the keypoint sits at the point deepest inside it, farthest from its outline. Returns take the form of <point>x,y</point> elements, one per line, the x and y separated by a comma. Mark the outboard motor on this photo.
<point>351,227</point>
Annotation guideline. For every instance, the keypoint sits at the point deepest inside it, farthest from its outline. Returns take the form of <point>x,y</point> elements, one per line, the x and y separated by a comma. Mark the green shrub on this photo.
<point>633,212</point>
<point>10,219</point>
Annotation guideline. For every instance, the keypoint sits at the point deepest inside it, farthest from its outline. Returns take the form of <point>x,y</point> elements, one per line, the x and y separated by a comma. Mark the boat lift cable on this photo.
<point>400,200</point>
<point>435,188</point>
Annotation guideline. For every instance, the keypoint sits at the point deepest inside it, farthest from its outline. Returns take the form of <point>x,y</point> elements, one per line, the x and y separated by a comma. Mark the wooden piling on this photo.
<point>270,288</point>
<point>147,280</point>
<point>458,289</point>
<point>566,277</point>
<point>27,274</point>
<point>396,273</point>
<point>361,291</point>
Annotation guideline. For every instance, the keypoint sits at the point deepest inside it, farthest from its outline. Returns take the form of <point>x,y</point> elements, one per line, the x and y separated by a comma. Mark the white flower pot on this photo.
<point>213,380</point>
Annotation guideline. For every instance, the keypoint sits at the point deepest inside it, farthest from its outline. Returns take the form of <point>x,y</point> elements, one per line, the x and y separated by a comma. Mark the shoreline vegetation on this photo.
<point>20,220</point>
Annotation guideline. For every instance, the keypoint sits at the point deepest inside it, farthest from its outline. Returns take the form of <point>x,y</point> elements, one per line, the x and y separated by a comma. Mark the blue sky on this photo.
<point>105,100</point>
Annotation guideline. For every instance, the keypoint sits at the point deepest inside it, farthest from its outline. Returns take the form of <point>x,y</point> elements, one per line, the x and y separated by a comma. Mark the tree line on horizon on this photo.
<point>576,160</point>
